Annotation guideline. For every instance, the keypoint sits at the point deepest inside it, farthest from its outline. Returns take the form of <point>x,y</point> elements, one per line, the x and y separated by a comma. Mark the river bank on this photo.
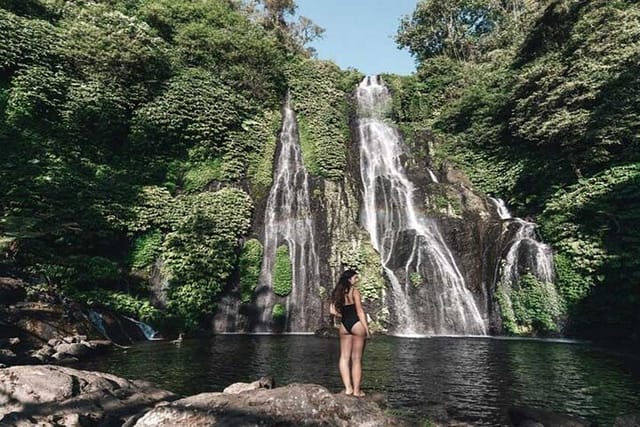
<point>62,396</point>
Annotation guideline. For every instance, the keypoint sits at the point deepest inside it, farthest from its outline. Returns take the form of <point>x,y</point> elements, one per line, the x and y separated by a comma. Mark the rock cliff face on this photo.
<point>428,246</point>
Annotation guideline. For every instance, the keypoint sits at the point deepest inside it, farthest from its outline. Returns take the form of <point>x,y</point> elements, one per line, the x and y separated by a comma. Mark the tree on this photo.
<point>276,11</point>
<point>457,28</point>
<point>305,31</point>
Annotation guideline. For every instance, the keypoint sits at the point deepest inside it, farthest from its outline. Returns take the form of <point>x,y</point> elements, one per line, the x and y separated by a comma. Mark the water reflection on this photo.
<point>574,380</point>
<point>469,379</point>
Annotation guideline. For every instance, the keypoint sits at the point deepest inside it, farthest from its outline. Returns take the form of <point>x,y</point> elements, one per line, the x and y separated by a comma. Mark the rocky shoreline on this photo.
<point>49,328</point>
<point>51,395</point>
<point>62,396</point>
<point>62,351</point>
<point>36,389</point>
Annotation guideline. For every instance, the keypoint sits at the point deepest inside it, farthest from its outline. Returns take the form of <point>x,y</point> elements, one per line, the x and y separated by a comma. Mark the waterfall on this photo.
<point>432,176</point>
<point>98,322</point>
<point>148,331</point>
<point>428,293</point>
<point>526,255</point>
<point>501,208</point>
<point>288,221</point>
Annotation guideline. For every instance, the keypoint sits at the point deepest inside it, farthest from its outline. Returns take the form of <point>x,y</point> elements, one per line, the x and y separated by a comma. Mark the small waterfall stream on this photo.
<point>428,292</point>
<point>288,221</point>
<point>147,330</point>
<point>98,321</point>
<point>501,208</point>
<point>525,254</point>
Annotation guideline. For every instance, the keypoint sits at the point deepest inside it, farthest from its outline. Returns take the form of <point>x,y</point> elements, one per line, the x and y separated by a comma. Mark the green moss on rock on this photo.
<point>278,312</point>
<point>146,249</point>
<point>282,272</point>
<point>250,263</point>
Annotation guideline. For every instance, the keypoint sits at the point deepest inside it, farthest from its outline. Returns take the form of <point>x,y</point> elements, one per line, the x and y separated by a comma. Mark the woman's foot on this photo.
<point>359,394</point>
<point>347,392</point>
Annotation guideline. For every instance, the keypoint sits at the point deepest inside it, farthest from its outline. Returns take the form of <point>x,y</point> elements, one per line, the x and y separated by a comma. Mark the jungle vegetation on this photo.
<point>137,137</point>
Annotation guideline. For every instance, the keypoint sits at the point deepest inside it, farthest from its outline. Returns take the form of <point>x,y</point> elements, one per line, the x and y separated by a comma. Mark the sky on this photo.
<point>360,33</point>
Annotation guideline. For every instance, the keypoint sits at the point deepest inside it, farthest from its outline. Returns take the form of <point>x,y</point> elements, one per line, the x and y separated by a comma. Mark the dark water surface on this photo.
<point>472,379</point>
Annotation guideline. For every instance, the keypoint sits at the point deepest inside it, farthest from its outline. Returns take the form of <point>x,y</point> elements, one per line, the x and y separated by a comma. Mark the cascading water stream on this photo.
<point>98,321</point>
<point>501,208</point>
<point>410,244</point>
<point>288,221</point>
<point>147,330</point>
<point>525,254</point>
<point>432,176</point>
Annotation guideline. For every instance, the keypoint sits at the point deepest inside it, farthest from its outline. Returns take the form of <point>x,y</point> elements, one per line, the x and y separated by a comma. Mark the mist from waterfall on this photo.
<point>288,221</point>
<point>428,292</point>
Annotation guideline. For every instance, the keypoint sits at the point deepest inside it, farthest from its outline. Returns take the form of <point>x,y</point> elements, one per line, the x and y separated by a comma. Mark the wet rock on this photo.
<point>159,284</point>
<point>38,323</point>
<point>39,357</point>
<point>264,382</point>
<point>7,356</point>
<point>100,345</point>
<point>56,395</point>
<point>63,358</point>
<point>521,416</point>
<point>292,405</point>
<point>119,329</point>
<point>9,342</point>
<point>73,349</point>
<point>455,176</point>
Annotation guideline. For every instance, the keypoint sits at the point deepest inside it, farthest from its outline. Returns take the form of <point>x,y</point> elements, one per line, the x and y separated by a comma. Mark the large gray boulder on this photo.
<point>291,405</point>
<point>55,395</point>
<point>74,349</point>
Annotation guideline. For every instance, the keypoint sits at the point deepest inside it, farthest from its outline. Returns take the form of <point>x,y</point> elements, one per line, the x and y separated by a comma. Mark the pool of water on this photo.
<point>470,379</point>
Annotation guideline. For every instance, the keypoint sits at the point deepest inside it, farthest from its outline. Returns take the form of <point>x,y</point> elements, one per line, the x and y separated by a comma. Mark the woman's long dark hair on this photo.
<point>342,288</point>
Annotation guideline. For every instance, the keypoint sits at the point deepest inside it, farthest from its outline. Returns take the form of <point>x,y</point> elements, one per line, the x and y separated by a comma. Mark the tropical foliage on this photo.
<point>128,131</point>
<point>540,107</point>
<point>140,134</point>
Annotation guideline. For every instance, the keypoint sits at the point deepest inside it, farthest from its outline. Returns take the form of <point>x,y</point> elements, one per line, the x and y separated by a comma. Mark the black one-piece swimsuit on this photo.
<point>349,316</point>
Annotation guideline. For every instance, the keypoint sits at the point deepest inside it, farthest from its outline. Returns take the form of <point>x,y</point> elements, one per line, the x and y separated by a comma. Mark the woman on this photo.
<point>347,305</point>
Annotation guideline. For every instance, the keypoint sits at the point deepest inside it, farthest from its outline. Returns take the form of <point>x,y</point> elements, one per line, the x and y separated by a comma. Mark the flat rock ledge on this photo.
<point>291,405</point>
<point>48,395</point>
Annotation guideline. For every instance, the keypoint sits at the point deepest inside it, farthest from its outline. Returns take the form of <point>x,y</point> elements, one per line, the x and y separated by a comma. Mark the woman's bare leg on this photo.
<point>345,355</point>
<point>357,348</point>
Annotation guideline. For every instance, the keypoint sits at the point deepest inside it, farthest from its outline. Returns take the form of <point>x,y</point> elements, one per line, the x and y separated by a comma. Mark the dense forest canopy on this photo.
<point>137,137</point>
<point>138,129</point>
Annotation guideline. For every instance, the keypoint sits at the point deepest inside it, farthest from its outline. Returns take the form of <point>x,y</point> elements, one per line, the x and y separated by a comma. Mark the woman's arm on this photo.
<point>360,311</point>
<point>333,311</point>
